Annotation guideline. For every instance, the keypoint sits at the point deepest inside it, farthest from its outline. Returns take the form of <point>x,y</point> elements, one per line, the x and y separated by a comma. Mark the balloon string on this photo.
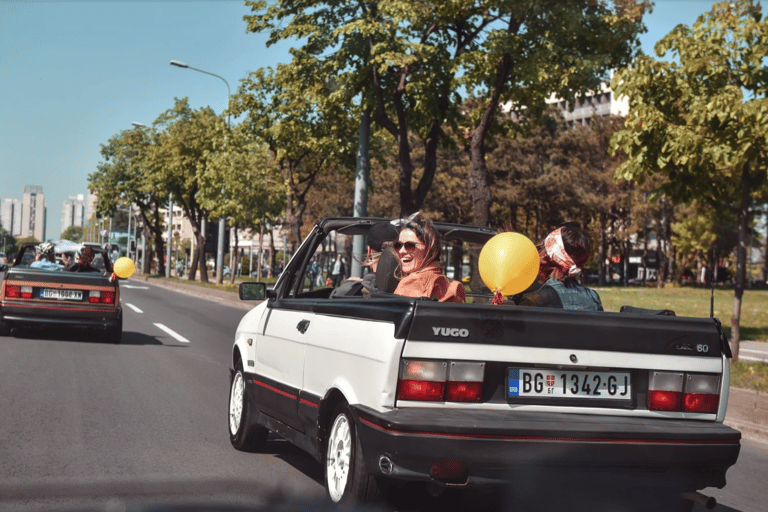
<point>498,298</point>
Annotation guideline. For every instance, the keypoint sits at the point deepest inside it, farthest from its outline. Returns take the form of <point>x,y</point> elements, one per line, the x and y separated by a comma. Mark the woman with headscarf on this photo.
<point>561,258</point>
<point>418,246</point>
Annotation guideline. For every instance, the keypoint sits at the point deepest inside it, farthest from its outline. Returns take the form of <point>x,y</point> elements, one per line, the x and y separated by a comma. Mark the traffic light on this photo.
<point>212,238</point>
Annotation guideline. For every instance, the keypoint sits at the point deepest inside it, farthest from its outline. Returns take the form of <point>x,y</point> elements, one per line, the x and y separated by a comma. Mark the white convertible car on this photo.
<point>384,389</point>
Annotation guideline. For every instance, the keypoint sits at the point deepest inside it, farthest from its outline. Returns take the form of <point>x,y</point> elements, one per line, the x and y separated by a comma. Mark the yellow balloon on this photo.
<point>124,267</point>
<point>508,263</point>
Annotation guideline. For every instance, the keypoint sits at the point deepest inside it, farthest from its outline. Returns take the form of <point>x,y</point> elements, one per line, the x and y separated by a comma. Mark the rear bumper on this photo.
<point>64,315</point>
<point>496,447</point>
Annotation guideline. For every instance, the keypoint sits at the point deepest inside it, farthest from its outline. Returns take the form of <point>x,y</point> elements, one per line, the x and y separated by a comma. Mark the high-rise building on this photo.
<point>33,212</point>
<point>10,216</point>
<point>73,212</point>
<point>90,209</point>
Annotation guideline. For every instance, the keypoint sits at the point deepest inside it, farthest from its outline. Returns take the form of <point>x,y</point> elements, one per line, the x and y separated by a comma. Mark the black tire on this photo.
<point>115,333</point>
<point>347,481</point>
<point>244,433</point>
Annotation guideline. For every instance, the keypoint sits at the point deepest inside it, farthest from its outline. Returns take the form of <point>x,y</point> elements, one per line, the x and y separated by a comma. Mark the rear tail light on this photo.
<point>422,380</point>
<point>26,292</point>
<point>702,393</point>
<point>665,391</point>
<point>96,297</point>
<point>13,291</point>
<point>440,381</point>
<point>465,382</point>
<point>682,392</point>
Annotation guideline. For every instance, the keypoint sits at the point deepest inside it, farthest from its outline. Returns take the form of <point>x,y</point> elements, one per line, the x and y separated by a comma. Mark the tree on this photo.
<point>251,195</point>
<point>302,132</point>
<point>702,120</point>
<point>73,233</point>
<point>537,49</point>
<point>407,62</point>
<point>125,176</point>
<point>184,153</point>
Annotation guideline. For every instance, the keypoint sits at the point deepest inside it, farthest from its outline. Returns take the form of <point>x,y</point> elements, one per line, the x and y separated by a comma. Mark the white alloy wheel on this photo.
<point>236,403</point>
<point>338,458</point>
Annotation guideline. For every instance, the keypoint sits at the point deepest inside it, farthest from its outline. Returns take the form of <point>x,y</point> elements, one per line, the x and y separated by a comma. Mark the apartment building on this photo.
<point>73,212</point>
<point>33,212</point>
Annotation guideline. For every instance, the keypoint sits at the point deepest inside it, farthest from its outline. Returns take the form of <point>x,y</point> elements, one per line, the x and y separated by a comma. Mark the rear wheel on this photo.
<point>347,480</point>
<point>244,433</point>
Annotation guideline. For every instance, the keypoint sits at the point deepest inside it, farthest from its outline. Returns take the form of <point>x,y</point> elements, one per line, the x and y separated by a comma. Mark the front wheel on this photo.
<point>244,433</point>
<point>347,481</point>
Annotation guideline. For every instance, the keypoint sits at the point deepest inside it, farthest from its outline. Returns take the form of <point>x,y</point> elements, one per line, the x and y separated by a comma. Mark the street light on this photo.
<point>222,221</point>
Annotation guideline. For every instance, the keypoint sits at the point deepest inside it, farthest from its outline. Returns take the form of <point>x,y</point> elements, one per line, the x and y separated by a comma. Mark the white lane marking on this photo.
<point>134,308</point>
<point>135,287</point>
<point>173,333</point>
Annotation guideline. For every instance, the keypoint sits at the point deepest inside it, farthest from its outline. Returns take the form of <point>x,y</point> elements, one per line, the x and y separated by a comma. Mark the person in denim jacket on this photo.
<point>561,258</point>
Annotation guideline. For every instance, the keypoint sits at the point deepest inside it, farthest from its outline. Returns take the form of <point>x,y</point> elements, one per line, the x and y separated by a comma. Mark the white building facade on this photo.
<point>33,213</point>
<point>10,216</point>
<point>73,212</point>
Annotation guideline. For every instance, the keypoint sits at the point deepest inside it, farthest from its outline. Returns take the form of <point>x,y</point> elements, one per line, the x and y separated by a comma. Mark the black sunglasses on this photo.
<point>409,246</point>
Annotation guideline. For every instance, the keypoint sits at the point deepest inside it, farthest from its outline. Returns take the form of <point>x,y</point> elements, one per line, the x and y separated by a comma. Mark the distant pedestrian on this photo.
<point>312,270</point>
<point>337,271</point>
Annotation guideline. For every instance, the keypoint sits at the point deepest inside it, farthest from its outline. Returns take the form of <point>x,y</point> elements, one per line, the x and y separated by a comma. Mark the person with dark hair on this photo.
<point>419,249</point>
<point>380,233</point>
<point>84,260</point>
<point>561,258</point>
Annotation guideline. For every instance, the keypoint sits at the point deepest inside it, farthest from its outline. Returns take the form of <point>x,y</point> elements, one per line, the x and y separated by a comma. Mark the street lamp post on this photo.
<point>222,221</point>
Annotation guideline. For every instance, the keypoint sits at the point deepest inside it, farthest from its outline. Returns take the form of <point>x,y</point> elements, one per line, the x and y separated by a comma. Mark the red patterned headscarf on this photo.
<point>555,248</point>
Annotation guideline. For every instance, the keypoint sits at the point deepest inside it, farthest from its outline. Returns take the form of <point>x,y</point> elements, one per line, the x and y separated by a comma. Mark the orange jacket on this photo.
<point>430,282</point>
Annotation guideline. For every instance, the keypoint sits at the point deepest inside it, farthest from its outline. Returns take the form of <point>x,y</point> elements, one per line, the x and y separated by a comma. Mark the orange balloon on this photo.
<point>508,263</point>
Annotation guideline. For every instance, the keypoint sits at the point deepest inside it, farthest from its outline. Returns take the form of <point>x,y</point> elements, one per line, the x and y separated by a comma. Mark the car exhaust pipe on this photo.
<point>708,501</point>
<point>385,465</point>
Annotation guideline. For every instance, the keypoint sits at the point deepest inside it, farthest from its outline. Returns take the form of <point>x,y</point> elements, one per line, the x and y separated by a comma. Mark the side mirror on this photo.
<point>252,291</point>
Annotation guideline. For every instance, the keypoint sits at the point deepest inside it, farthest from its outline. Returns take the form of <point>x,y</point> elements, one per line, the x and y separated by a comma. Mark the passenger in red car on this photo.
<point>84,262</point>
<point>419,249</point>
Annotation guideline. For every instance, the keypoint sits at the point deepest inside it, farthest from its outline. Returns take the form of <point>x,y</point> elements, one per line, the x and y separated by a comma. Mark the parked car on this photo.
<point>34,298</point>
<point>385,389</point>
<point>3,261</point>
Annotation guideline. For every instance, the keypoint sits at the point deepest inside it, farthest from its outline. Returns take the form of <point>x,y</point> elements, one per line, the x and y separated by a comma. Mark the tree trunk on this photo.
<point>234,258</point>
<point>741,261</point>
<point>601,250</point>
<point>765,253</point>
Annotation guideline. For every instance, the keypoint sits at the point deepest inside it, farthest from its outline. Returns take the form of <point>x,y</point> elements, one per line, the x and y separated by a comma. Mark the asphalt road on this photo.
<point>92,426</point>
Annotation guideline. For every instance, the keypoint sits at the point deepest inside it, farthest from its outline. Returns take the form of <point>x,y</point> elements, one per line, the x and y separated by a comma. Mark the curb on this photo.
<point>222,297</point>
<point>747,409</point>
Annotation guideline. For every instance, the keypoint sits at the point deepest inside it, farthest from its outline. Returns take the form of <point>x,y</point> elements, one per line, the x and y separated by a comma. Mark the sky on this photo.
<point>74,74</point>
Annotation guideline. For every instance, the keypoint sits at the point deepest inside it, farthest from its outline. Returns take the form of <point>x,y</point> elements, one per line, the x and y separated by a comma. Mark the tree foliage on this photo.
<point>73,233</point>
<point>407,62</point>
<point>301,130</point>
<point>125,176</point>
<point>701,120</point>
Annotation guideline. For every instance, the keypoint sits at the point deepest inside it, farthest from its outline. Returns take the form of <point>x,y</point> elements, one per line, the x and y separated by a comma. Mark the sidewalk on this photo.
<point>747,409</point>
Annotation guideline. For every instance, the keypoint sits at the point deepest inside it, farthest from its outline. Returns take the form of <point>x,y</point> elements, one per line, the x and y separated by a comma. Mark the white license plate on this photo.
<point>540,383</point>
<point>47,293</point>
